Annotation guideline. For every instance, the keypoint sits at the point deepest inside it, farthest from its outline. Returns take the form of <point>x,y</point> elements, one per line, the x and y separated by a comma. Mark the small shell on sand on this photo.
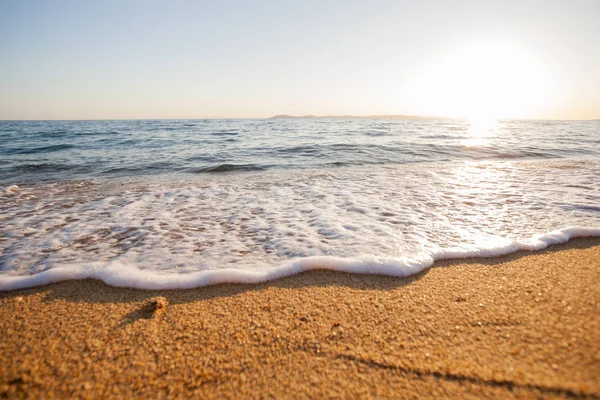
<point>156,304</point>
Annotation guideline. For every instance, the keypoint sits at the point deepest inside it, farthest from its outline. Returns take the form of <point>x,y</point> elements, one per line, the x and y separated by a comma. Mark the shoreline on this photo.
<point>118,275</point>
<point>521,325</point>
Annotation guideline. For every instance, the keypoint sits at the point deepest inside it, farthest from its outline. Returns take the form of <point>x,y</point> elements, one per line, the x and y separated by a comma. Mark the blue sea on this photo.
<point>185,203</point>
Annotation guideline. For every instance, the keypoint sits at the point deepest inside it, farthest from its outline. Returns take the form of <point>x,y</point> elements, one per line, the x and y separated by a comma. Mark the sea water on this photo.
<point>186,203</point>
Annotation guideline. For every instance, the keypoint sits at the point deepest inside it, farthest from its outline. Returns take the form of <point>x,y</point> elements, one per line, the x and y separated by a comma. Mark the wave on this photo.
<point>226,168</point>
<point>376,133</point>
<point>58,133</point>
<point>37,150</point>
<point>46,167</point>
<point>353,163</point>
<point>226,132</point>
<point>101,133</point>
<point>161,128</point>
<point>119,274</point>
<point>308,149</point>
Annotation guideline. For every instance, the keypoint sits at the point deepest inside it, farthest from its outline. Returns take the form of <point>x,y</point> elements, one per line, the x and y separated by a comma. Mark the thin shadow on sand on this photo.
<point>94,291</point>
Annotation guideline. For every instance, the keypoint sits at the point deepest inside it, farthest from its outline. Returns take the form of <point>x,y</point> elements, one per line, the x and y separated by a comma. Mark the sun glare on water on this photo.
<point>484,81</point>
<point>480,129</point>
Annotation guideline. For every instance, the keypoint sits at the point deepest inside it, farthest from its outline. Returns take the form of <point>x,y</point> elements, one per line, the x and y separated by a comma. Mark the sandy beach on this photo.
<point>518,326</point>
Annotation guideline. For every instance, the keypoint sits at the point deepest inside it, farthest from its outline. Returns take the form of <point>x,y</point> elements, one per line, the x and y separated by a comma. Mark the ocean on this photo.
<point>185,203</point>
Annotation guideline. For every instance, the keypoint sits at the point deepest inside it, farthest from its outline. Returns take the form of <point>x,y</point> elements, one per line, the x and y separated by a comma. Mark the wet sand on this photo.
<point>523,325</point>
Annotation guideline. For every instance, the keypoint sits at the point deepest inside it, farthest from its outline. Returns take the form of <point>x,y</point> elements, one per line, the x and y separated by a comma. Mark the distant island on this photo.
<point>284,116</point>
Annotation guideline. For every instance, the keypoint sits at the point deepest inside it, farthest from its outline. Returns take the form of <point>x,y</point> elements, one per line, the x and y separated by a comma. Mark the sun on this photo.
<point>482,81</point>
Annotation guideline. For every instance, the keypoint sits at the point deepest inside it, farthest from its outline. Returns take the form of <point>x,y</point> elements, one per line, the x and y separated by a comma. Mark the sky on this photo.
<point>245,59</point>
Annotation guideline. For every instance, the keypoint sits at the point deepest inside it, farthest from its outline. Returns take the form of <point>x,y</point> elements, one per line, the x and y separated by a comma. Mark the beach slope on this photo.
<point>523,325</point>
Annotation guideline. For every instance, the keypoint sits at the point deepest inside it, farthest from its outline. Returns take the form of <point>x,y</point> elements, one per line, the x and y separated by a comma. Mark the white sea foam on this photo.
<point>256,227</point>
<point>120,274</point>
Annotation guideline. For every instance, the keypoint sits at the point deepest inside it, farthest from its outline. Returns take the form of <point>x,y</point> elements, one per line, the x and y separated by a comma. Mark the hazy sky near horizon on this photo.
<point>192,59</point>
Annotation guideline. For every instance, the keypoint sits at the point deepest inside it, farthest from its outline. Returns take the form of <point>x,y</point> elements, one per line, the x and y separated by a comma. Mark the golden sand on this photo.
<point>524,325</point>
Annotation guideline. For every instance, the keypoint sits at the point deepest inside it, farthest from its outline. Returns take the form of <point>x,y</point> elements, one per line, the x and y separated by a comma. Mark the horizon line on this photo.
<point>287,116</point>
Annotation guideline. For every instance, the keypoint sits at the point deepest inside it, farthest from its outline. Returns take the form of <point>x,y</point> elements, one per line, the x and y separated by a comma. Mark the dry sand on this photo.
<point>524,325</point>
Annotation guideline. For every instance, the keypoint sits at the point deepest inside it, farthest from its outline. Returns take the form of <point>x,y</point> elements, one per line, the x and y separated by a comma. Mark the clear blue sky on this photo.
<point>179,59</point>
